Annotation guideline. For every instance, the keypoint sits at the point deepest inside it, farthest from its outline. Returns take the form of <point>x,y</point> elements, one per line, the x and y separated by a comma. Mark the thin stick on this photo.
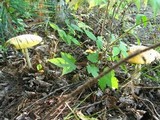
<point>94,80</point>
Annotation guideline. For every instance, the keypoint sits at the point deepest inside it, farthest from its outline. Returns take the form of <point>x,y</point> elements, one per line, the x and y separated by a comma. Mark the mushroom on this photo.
<point>24,42</point>
<point>144,58</point>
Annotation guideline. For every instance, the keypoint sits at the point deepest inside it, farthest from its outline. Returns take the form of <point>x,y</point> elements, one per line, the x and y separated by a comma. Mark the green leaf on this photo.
<point>39,67</point>
<point>90,35</point>
<point>115,51</point>
<point>67,62</point>
<point>58,62</point>
<point>75,41</point>
<point>63,35</point>
<point>83,26</point>
<point>68,39</point>
<point>75,27</point>
<point>71,30</point>
<point>67,57</point>
<point>93,70</point>
<point>72,39</point>
<point>141,18</point>
<point>54,26</point>
<point>108,80</point>
<point>123,49</point>
<point>68,69</point>
<point>122,46</point>
<point>99,42</point>
<point>93,57</point>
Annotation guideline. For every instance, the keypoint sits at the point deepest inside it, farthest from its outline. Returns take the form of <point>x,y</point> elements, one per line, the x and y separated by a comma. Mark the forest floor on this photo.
<point>30,95</point>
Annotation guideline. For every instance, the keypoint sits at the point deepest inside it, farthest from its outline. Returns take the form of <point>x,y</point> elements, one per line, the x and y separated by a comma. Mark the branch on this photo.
<point>95,80</point>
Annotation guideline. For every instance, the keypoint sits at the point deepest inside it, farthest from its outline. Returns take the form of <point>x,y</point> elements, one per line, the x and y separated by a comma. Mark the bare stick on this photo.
<point>94,80</point>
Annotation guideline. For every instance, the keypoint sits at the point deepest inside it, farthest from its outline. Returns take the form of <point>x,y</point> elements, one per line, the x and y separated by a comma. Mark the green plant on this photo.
<point>108,80</point>
<point>93,58</point>
<point>68,38</point>
<point>12,14</point>
<point>116,46</point>
<point>67,62</point>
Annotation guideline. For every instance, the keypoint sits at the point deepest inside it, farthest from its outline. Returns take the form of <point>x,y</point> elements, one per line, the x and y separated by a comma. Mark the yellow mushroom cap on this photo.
<point>24,41</point>
<point>143,58</point>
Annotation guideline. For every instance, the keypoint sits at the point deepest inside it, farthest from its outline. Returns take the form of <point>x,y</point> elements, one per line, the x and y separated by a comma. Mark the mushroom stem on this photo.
<point>26,54</point>
<point>135,77</point>
<point>137,74</point>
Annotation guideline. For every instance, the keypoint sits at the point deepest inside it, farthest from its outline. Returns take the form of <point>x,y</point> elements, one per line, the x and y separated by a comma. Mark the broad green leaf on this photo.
<point>99,42</point>
<point>93,70</point>
<point>68,39</point>
<point>140,18</point>
<point>72,39</point>
<point>70,28</point>
<point>69,65</point>
<point>54,26</point>
<point>93,57</point>
<point>122,46</point>
<point>75,41</point>
<point>67,57</point>
<point>108,80</point>
<point>115,51</point>
<point>67,62</point>
<point>62,34</point>
<point>75,27</point>
<point>68,69</point>
<point>123,49</point>
<point>57,61</point>
<point>144,19</point>
<point>83,26</point>
<point>124,53</point>
<point>114,83</point>
<point>90,35</point>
